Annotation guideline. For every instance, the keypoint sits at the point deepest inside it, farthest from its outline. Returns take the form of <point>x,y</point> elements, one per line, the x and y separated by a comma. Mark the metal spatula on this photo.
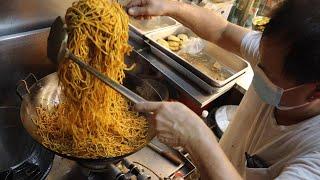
<point>57,50</point>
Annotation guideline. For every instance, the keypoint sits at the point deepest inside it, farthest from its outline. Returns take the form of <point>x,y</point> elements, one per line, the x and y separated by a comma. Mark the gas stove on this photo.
<point>122,170</point>
<point>21,158</point>
<point>145,164</point>
<point>36,167</point>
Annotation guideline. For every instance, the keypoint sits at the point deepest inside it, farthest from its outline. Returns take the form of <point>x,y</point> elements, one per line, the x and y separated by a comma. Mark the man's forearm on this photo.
<point>208,24</point>
<point>209,157</point>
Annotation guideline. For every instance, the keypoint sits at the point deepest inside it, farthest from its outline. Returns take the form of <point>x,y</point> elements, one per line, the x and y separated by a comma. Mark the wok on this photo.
<point>48,93</point>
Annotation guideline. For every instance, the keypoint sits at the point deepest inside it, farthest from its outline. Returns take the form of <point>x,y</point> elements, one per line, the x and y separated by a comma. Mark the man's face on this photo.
<point>273,53</point>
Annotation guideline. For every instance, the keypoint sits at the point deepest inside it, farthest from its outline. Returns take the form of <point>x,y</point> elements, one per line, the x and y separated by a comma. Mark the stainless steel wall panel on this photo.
<point>18,16</point>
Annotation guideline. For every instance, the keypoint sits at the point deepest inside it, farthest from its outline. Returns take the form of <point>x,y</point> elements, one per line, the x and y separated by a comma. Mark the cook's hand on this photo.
<point>175,124</point>
<point>148,8</point>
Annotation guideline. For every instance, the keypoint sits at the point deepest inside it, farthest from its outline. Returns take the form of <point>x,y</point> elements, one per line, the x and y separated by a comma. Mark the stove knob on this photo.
<point>121,177</point>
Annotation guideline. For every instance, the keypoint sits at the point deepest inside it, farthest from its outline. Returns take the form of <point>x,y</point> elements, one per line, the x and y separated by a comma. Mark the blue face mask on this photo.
<point>269,92</point>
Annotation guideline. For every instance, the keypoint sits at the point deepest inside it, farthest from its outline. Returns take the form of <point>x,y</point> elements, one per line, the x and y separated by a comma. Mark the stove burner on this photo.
<point>111,172</point>
<point>122,170</point>
<point>24,172</point>
<point>36,167</point>
<point>96,167</point>
<point>134,170</point>
<point>21,157</point>
<point>143,165</point>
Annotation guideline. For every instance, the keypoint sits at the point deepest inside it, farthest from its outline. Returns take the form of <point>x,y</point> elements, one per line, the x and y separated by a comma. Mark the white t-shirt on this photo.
<point>293,152</point>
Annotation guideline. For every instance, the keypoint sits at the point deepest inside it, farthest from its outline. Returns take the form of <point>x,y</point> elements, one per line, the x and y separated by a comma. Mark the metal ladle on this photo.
<point>57,51</point>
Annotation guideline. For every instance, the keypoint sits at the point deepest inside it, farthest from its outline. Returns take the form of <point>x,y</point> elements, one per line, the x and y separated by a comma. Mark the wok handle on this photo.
<point>172,157</point>
<point>24,84</point>
<point>166,154</point>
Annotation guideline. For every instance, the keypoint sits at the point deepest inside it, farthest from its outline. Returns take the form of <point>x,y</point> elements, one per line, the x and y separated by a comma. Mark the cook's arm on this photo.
<point>209,157</point>
<point>205,23</point>
<point>177,125</point>
<point>209,25</point>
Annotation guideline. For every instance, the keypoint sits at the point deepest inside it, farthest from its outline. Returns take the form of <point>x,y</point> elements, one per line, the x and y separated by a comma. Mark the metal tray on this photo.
<point>143,27</point>
<point>232,65</point>
<point>182,70</point>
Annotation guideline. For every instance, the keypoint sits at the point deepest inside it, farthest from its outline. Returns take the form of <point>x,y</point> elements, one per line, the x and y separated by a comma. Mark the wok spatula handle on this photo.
<point>135,98</point>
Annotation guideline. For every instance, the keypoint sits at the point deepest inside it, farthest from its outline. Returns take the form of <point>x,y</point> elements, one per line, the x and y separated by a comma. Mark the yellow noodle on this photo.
<point>93,121</point>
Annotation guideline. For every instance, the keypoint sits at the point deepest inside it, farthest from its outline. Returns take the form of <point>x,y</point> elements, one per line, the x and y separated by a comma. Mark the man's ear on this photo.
<point>316,93</point>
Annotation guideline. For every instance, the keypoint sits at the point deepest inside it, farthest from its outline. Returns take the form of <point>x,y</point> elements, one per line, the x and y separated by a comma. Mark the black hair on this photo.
<point>298,23</point>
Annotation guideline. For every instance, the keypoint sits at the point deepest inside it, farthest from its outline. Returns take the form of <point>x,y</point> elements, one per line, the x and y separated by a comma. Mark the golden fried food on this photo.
<point>183,37</point>
<point>163,42</point>
<point>174,48</point>
<point>173,38</point>
<point>174,43</point>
